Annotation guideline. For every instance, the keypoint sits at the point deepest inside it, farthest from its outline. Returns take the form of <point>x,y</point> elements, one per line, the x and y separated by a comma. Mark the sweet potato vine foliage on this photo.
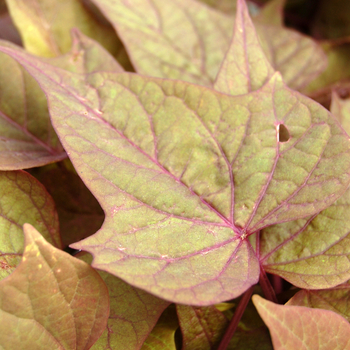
<point>188,162</point>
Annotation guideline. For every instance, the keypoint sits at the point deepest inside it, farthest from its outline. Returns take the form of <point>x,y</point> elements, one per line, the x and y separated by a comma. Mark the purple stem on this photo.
<point>277,284</point>
<point>266,286</point>
<point>235,319</point>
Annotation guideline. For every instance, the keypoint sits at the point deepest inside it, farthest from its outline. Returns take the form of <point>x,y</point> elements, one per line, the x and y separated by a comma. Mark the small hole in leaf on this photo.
<point>282,133</point>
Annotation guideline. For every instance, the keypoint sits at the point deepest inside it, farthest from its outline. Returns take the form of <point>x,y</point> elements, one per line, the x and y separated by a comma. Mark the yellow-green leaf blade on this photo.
<point>45,26</point>
<point>166,158</point>
<point>52,300</point>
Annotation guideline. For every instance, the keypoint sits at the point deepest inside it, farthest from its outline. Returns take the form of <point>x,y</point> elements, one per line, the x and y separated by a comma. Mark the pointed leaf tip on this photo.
<point>297,327</point>
<point>245,67</point>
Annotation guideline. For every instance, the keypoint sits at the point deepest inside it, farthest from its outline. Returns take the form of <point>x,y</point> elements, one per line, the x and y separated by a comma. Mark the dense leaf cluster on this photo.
<point>198,184</point>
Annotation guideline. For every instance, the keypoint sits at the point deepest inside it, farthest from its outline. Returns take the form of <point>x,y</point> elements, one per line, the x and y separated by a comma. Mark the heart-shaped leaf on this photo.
<point>297,327</point>
<point>236,179</point>
<point>52,300</point>
<point>188,159</point>
<point>23,199</point>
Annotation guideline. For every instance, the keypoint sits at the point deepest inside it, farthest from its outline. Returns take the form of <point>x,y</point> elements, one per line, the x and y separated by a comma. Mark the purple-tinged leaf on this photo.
<point>23,199</point>
<point>291,251</point>
<point>245,67</point>
<point>179,39</point>
<point>185,173</point>
<point>162,336</point>
<point>133,313</point>
<point>336,299</point>
<point>79,213</point>
<point>202,327</point>
<point>186,40</point>
<point>297,327</point>
<point>27,138</point>
<point>50,23</point>
<point>52,300</point>
<point>310,253</point>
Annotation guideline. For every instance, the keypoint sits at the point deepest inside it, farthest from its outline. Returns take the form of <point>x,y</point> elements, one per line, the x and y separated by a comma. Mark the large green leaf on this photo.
<point>297,327</point>
<point>51,301</point>
<point>185,174</point>
<point>153,189</point>
<point>23,200</point>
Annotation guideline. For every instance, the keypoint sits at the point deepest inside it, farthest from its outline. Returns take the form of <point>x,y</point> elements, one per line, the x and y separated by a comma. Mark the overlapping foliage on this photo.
<point>188,162</point>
